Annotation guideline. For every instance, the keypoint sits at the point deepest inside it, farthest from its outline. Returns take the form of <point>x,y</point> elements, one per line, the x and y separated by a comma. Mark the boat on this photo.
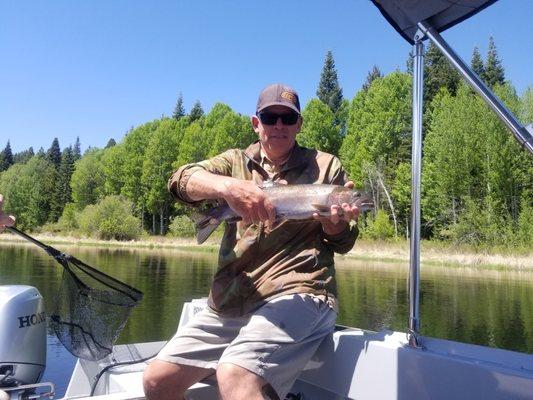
<point>350,363</point>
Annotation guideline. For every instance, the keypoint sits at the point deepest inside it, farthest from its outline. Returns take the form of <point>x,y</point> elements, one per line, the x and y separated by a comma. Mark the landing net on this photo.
<point>91,307</point>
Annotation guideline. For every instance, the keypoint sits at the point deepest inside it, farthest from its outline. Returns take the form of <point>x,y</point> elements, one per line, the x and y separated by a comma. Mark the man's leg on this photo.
<point>264,360</point>
<point>168,381</point>
<point>236,383</point>
<point>191,355</point>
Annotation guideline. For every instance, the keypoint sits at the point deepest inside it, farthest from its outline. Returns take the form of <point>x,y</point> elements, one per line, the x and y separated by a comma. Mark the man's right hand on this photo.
<point>249,201</point>
<point>5,220</point>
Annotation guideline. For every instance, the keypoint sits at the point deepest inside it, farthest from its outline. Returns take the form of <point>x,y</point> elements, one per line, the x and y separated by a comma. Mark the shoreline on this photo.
<point>432,253</point>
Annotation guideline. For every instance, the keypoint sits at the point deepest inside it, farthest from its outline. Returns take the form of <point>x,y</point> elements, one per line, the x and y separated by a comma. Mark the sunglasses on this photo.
<point>269,118</point>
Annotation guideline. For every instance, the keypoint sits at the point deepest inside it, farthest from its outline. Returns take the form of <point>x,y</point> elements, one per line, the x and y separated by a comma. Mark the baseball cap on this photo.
<point>278,94</point>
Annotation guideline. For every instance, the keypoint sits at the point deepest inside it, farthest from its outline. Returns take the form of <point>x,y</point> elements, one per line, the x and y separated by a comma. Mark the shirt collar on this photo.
<point>297,157</point>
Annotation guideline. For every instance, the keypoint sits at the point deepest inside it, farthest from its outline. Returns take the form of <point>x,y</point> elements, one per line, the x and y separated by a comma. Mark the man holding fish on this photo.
<point>272,301</point>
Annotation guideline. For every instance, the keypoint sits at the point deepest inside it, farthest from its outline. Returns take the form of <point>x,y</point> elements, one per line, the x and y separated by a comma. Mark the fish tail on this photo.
<point>205,223</point>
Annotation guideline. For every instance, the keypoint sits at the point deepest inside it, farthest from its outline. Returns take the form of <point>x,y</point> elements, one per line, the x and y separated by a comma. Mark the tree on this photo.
<point>54,153</point>
<point>62,190</point>
<point>76,151</point>
<point>196,111</point>
<point>24,156</point>
<point>378,139</point>
<point>6,158</point>
<point>373,74</point>
<point>208,123</point>
<point>113,161</point>
<point>477,64</point>
<point>232,131</point>
<point>87,181</point>
<point>494,72</point>
<point>318,130</point>
<point>329,91</point>
<point>135,144</point>
<point>157,166</point>
<point>526,106</point>
<point>438,72</point>
<point>451,158</point>
<point>179,110</point>
<point>379,127</point>
<point>28,189</point>
<point>194,146</point>
<point>110,143</point>
<point>475,175</point>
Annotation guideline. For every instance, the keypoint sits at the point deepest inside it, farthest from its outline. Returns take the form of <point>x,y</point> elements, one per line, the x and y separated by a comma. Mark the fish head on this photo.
<point>361,200</point>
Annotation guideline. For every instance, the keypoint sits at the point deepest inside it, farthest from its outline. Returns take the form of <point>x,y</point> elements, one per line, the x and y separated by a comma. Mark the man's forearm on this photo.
<point>204,185</point>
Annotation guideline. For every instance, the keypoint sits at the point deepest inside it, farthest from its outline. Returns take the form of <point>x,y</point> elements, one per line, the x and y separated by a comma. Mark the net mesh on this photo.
<point>91,309</point>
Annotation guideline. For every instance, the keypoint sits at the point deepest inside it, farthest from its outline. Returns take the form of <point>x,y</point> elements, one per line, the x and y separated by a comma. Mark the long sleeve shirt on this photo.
<point>257,264</point>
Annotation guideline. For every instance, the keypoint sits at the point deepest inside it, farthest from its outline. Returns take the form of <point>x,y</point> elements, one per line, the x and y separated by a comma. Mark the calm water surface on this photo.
<point>492,308</point>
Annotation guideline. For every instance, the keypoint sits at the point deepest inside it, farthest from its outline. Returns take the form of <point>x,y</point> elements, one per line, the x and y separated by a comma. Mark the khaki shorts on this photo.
<point>275,342</point>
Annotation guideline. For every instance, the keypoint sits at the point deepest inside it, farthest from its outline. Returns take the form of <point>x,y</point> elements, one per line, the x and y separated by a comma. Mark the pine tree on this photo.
<point>110,143</point>
<point>438,73</point>
<point>6,158</point>
<point>196,112</point>
<point>373,74</point>
<point>494,73</point>
<point>76,152</point>
<point>329,91</point>
<point>477,64</point>
<point>54,153</point>
<point>62,191</point>
<point>179,110</point>
<point>24,156</point>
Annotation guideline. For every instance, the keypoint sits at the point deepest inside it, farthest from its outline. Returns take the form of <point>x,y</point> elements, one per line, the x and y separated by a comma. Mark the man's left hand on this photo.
<point>340,216</point>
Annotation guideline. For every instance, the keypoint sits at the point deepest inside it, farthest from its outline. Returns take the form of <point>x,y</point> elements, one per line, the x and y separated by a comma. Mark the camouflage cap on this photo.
<point>278,95</point>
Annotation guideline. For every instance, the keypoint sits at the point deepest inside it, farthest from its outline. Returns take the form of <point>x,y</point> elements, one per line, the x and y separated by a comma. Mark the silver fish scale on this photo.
<point>297,202</point>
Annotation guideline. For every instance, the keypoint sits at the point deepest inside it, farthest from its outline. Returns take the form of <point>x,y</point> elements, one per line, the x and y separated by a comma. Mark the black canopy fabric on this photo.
<point>404,15</point>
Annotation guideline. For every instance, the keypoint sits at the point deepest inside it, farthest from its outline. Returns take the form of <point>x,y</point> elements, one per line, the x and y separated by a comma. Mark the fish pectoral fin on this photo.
<point>321,208</point>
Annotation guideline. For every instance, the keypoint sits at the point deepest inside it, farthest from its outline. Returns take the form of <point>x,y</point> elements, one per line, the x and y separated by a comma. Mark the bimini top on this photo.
<point>404,15</point>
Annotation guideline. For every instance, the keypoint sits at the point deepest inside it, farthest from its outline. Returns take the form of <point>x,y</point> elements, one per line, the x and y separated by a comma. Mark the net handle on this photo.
<point>49,249</point>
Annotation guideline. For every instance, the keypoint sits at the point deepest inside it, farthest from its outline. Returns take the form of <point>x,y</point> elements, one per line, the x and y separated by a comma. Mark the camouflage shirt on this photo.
<point>257,264</point>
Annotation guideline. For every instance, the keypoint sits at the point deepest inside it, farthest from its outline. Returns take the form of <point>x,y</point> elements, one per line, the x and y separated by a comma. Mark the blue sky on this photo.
<point>94,69</point>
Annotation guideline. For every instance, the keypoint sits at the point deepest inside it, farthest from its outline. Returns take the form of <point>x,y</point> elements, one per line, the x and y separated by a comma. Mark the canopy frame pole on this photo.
<point>524,135</point>
<point>416,167</point>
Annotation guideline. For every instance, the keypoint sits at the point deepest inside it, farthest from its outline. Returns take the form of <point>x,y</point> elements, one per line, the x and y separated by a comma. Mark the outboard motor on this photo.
<point>22,336</point>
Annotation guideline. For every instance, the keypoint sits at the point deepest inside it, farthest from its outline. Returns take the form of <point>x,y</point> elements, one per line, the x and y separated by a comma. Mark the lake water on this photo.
<point>486,307</point>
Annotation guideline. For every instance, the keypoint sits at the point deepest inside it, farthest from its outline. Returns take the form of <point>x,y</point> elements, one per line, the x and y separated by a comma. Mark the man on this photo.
<point>272,298</point>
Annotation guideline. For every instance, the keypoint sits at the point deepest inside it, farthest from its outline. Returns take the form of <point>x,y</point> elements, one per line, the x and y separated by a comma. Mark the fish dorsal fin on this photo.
<point>323,208</point>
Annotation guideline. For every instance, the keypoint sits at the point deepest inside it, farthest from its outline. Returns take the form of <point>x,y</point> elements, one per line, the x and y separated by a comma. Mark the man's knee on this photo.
<point>163,380</point>
<point>158,380</point>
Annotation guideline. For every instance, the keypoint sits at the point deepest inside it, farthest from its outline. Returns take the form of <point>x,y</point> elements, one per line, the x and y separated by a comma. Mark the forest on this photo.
<point>477,182</point>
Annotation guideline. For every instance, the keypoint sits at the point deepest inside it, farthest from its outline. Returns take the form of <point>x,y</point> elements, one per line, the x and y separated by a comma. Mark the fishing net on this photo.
<point>91,307</point>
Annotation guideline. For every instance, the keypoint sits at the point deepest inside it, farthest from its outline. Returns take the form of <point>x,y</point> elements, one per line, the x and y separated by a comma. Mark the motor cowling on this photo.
<point>22,335</point>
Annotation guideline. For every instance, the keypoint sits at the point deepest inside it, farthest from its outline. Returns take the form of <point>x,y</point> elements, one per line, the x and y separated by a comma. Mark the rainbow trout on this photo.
<point>291,202</point>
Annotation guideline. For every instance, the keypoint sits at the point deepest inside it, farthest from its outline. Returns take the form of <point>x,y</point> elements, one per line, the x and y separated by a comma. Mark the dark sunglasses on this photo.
<point>269,118</point>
